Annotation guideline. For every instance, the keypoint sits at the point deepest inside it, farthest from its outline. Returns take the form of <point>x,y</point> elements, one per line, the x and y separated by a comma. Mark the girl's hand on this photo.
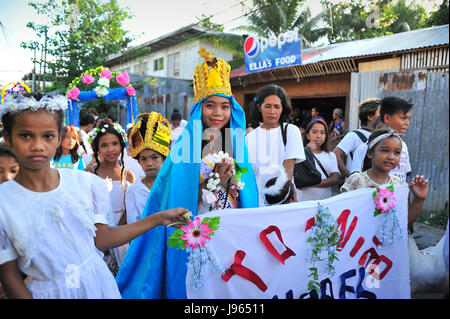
<point>175,217</point>
<point>225,170</point>
<point>419,187</point>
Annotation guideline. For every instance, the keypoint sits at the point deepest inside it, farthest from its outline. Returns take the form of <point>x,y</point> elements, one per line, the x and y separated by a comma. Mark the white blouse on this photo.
<point>135,200</point>
<point>51,234</point>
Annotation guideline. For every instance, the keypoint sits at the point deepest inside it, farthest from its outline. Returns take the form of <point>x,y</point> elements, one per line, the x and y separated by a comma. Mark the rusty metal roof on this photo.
<point>404,41</point>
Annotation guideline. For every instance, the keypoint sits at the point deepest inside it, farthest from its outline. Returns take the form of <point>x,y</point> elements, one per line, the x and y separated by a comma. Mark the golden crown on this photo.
<point>155,136</point>
<point>212,76</point>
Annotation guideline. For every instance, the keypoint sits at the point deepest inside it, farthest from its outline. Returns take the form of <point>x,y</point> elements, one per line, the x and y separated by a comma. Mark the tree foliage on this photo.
<point>81,34</point>
<point>272,17</point>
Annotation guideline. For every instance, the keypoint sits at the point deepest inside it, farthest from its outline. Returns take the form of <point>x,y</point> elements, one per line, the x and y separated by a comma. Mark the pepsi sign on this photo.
<point>274,52</point>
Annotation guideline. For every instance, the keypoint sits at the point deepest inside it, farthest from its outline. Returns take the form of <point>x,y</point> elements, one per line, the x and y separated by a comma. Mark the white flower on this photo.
<point>106,125</point>
<point>208,197</point>
<point>101,91</point>
<point>103,82</point>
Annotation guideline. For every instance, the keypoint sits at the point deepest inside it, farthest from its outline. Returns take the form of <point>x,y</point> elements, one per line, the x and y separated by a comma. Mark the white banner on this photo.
<point>365,268</point>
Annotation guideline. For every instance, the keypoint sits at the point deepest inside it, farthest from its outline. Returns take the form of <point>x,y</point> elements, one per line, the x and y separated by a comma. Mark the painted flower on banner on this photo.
<point>196,234</point>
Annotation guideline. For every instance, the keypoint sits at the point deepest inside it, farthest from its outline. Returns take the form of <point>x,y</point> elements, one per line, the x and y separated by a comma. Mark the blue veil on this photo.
<point>151,269</point>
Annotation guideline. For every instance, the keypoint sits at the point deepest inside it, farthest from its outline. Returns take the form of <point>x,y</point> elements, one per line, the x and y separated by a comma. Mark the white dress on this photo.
<point>117,192</point>
<point>51,234</point>
<point>267,151</point>
<point>135,200</point>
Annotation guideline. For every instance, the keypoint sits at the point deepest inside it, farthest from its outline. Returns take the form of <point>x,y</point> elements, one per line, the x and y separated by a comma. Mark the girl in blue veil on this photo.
<point>151,269</point>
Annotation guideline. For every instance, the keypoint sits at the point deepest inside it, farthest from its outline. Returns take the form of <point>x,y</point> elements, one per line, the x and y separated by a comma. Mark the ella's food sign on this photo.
<point>275,52</point>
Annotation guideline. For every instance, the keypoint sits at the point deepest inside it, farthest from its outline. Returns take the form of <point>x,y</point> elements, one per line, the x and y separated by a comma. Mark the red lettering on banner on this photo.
<point>342,222</point>
<point>376,241</point>
<point>377,260</point>
<point>310,223</point>
<point>263,236</point>
<point>357,246</point>
<point>242,271</point>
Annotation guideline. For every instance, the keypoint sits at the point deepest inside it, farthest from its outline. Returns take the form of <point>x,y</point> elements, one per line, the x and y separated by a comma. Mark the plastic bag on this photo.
<point>428,273</point>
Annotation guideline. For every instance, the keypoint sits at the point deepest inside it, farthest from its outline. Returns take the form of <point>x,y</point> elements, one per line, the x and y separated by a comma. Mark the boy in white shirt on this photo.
<point>369,110</point>
<point>149,141</point>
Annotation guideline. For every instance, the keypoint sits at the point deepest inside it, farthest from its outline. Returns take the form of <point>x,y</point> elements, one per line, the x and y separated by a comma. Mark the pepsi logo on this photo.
<point>251,46</point>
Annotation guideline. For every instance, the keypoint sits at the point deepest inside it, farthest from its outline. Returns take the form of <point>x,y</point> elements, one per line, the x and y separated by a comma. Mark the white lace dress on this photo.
<point>117,191</point>
<point>51,235</point>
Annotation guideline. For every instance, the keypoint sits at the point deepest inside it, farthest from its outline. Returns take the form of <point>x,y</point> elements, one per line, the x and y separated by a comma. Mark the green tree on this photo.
<point>272,17</point>
<point>85,33</point>
<point>409,16</point>
<point>440,16</point>
<point>357,20</point>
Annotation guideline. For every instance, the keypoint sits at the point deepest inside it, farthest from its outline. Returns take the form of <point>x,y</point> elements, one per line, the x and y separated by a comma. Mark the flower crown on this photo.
<point>117,127</point>
<point>105,75</point>
<point>20,103</point>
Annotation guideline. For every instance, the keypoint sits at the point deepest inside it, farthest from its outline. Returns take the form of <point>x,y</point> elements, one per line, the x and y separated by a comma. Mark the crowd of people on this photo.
<point>85,193</point>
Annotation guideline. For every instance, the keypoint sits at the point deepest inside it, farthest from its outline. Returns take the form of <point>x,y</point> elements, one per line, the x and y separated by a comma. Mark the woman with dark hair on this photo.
<point>325,162</point>
<point>274,142</point>
<point>66,155</point>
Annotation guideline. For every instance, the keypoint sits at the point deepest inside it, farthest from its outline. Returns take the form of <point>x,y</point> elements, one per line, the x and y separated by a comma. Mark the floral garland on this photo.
<point>50,103</point>
<point>17,88</point>
<point>389,231</point>
<point>105,75</point>
<point>324,238</point>
<point>93,134</point>
<point>194,238</point>
<point>209,195</point>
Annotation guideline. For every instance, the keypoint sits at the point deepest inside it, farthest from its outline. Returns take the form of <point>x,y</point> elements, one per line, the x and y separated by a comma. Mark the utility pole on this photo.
<point>34,71</point>
<point>45,54</point>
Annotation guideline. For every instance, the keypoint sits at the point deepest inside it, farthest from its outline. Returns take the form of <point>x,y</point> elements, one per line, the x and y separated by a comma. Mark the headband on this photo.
<point>21,103</point>
<point>116,126</point>
<point>382,137</point>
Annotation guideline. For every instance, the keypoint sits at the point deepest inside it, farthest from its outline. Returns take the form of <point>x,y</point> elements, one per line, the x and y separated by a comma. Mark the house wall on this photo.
<point>189,59</point>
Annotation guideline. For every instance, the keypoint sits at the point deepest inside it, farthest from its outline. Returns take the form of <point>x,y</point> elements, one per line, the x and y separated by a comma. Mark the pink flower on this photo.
<point>131,91</point>
<point>73,93</point>
<point>385,200</point>
<point>88,79</point>
<point>195,233</point>
<point>123,78</point>
<point>106,73</point>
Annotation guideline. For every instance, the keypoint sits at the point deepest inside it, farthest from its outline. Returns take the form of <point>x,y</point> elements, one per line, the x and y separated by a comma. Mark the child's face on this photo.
<point>109,147</point>
<point>317,134</point>
<point>34,139</point>
<point>216,111</point>
<point>271,109</point>
<point>68,142</point>
<point>151,162</point>
<point>398,121</point>
<point>8,168</point>
<point>386,155</point>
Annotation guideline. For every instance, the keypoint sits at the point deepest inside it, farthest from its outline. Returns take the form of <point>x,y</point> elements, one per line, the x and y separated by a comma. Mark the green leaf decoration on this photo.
<point>376,213</point>
<point>375,197</point>
<point>175,241</point>
<point>391,187</point>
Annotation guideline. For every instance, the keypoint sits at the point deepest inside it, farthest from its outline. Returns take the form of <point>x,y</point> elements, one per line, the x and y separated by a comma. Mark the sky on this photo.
<point>153,18</point>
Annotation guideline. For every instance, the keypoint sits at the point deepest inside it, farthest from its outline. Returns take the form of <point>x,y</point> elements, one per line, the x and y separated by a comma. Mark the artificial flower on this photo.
<point>131,91</point>
<point>101,91</point>
<point>196,234</point>
<point>123,78</point>
<point>385,200</point>
<point>88,79</point>
<point>73,93</point>
<point>103,82</point>
<point>208,197</point>
<point>106,73</point>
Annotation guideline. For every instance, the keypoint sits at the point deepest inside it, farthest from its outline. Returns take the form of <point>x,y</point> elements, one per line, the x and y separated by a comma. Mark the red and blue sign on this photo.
<point>275,52</point>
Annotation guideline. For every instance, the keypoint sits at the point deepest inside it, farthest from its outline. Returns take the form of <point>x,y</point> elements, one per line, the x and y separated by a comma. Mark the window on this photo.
<point>158,64</point>
<point>173,64</point>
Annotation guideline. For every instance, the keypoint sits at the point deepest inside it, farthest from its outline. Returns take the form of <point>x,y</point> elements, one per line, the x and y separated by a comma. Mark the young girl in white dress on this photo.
<point>317,136</point>
<point>149,140</point>
<point>52,221</point>
<point>108,141</point>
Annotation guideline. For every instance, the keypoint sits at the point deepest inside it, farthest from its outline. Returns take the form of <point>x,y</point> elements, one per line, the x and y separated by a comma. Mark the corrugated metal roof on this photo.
<point>410,40</point>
